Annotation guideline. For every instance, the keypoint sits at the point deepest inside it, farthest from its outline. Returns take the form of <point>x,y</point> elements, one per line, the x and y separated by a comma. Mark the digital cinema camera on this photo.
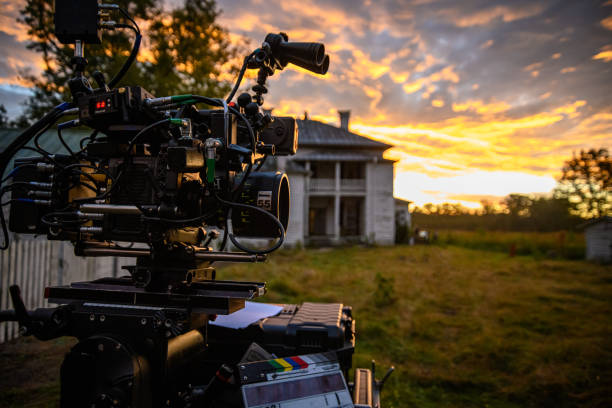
<point>156,180</point>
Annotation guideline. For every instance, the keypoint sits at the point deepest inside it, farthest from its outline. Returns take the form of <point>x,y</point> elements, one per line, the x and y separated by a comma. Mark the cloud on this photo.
<point>497,13</point>
<point>478,86</point>
<point>480,107</point>
<point>605,54</point>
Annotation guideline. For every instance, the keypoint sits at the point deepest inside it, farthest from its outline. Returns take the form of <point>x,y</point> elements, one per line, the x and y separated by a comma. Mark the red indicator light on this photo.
<point>97,105</point>
<point>102,104</point>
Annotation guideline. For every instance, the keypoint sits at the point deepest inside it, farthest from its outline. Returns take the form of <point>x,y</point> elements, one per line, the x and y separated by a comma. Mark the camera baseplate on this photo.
<point>204,297</point>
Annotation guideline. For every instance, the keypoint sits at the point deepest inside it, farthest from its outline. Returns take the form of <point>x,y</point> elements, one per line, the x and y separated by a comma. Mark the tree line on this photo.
<point>584,191</point>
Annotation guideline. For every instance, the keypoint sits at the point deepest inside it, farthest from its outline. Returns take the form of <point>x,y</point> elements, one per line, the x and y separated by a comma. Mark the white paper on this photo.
<point>251,313</point>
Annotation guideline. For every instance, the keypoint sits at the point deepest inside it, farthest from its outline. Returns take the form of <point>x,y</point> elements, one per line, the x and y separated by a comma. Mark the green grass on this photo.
<point>561,244</point>
<point>464,328</point>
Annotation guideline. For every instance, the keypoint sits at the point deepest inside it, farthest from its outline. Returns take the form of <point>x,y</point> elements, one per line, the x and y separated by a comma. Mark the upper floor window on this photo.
<point>352,170</point>
<point>326,170</point>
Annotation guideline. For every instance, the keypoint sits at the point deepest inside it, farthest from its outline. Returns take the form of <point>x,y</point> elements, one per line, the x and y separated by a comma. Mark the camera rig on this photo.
<point>156,180</point>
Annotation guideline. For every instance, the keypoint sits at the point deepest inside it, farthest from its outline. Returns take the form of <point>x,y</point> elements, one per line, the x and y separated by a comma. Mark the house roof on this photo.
<point>360,156</point>
<point>607,219</point>
<point>314,133</point>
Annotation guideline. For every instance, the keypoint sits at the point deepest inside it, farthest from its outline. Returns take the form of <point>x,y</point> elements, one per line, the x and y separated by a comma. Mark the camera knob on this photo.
<point>251,109</point>
<point>244,99</point>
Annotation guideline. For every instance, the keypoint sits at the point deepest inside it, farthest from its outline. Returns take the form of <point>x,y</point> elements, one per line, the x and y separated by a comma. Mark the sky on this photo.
<point>479,98</point>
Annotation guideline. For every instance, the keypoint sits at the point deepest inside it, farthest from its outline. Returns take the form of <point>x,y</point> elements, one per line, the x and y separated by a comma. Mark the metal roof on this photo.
<point>314,133</point>
<point>341,156</point>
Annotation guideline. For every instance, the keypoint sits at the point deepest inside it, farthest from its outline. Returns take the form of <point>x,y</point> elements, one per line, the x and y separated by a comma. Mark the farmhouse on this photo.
<point>341,187</point>
<point>598,236</point>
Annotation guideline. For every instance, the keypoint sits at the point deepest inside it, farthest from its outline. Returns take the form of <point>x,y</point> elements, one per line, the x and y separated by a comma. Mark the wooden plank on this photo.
<point>29,273</point>
<point>39,274</point>
<point>10,281</point>
<point>5,255</point>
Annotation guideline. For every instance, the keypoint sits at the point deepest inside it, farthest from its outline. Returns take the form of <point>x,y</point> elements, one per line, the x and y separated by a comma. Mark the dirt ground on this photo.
<point>30,371</point>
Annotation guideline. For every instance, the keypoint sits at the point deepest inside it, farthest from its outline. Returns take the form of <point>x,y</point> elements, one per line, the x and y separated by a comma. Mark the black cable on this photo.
<point>281,238</point>
<point>235,111</point>
<point>91,138</point>
<point>37,144</point>
<point>44,220</point>
<point>45,154</point>
<point>144,131</point>
<point>37,128</point>
<point>133,54</point>
<point>15,170</point>
<point>61,138</point>
<point>87,166</point>
<point>240,76</point>
<point>127,15</point>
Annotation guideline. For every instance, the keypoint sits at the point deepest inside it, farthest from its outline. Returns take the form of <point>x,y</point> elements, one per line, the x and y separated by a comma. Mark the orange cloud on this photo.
<point>505,13</point>
<point>480,107</point>
<point>605,54</point>
<point>607,23</point>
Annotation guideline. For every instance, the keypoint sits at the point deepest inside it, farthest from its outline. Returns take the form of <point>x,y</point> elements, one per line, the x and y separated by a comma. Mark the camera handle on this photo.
<point>79,84</point>
<point>42,323</point>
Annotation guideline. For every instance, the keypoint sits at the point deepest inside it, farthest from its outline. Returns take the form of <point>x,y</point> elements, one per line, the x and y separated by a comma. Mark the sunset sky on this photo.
<point>480,98</point>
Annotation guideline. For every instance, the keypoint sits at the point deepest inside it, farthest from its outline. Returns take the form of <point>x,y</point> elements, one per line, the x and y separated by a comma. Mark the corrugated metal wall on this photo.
<point>34,264</point>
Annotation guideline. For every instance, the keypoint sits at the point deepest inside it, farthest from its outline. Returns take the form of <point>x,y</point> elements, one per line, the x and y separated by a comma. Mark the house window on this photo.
<point>352,170</point>
<point>325,170</point>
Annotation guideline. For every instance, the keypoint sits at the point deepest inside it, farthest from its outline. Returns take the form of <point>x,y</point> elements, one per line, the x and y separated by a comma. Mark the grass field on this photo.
<point>464,328</point>
<point>560,244</point>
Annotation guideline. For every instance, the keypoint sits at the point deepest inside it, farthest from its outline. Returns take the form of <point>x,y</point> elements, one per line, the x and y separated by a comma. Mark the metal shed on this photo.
<point>598,236</point>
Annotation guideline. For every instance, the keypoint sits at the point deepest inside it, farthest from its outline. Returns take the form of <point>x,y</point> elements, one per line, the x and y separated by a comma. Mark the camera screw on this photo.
<point>143,321</point>
<point>102,318</point>
<point>92,317</point>
<point>168,323</point>
<point>100,347</point>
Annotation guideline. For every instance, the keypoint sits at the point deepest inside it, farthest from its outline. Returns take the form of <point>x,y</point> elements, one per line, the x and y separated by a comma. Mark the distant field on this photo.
<point>561,244</point>
<point>465,328</point>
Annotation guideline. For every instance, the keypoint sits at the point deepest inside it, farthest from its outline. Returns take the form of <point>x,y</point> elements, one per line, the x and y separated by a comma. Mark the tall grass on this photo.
<point>562,244</point>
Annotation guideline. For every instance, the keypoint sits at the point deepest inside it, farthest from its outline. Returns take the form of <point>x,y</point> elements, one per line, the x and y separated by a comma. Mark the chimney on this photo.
<point>344,119</point>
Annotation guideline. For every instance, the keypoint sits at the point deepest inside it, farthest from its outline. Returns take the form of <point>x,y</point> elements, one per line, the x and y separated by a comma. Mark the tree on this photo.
<point>4,122</point>
<point>586,182</point>
<point>517,205</point>
<point>488,208</point>
<point>186,51</point>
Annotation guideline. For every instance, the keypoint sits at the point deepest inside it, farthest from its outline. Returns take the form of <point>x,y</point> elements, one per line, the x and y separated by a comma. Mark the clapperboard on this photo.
<point>312,380</point>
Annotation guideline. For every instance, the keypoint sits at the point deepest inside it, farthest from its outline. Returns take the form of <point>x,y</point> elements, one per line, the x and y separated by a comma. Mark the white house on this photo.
<point>341,187</point>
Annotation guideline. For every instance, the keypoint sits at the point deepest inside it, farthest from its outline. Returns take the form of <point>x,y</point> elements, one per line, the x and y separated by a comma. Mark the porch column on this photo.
<point>337,216</point>
<point>337,202</point>
<point>337,176</point>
